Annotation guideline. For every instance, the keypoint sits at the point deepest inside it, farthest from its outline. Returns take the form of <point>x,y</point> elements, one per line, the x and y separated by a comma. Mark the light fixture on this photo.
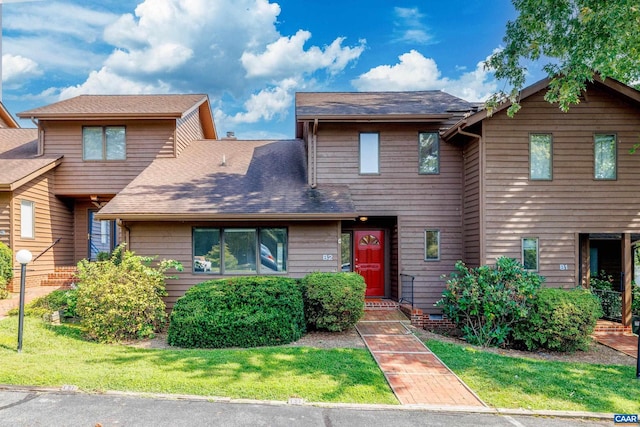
<point>24,257</point>
<point>363,218</point>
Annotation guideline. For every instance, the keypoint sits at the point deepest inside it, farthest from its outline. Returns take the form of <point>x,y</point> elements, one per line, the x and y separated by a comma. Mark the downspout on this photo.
<point>314,160</point>
<point>482,254</point>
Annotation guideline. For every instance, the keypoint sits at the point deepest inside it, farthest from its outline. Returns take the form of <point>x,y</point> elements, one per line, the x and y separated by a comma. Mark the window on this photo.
<point>530,253</point>
<point>104,143</point>
<point>431,245</point>
<point>27,220</point>
<point>429,153</point>
<point>540,156</point>
<point>236,250</point>
<point>605,156</point>
<point>369,153</point>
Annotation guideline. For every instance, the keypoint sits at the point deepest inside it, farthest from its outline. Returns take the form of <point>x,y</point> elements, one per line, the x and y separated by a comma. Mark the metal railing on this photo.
<point>406,288</point>
<point>611,303</point>
<point>47,250</point>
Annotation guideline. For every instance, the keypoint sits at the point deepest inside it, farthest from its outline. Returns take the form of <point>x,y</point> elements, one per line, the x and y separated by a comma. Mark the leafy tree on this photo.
<point>577,38</point>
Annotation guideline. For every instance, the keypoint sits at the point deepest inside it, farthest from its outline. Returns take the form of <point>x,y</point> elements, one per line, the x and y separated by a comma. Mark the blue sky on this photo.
<point>249,56</point>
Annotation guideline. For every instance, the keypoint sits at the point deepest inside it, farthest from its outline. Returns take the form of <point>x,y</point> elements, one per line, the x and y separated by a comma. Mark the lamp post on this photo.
<point>23,257</point>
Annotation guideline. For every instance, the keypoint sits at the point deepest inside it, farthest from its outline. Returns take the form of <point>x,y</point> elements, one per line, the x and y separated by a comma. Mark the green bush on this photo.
<point>121,298</point>
<point>333,301</point>
<point>63,300</point>
<point>238,312</point>
<point>6,269</point>
<point>559,320</point>
<point>485,302</point>
<point>635,302</point>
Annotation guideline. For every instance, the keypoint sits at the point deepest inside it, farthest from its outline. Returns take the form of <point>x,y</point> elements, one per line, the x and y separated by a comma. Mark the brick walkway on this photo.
<point>615,336</point>
<point>415,374</point>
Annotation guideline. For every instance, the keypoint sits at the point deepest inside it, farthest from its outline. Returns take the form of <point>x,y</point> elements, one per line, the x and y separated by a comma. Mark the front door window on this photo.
<point>101,236</point>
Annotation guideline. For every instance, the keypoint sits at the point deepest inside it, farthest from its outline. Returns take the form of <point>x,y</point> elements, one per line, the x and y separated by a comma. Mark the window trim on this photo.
<point>615,153</point>
<point>104,143</point>
<point>426,244</point>
<point>257,272</point>
<point>522,255</point>
<point>550,178</point>
<point>32,205</point>
<point>360,157</point>
<point>438,145</point>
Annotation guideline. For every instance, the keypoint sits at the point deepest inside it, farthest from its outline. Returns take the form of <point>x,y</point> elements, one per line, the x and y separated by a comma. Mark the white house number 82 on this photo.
<point>326,257</point>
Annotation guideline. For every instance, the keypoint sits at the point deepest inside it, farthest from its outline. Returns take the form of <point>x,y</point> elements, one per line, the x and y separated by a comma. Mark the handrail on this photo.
<point>46,250</point>
<point>406,279</point>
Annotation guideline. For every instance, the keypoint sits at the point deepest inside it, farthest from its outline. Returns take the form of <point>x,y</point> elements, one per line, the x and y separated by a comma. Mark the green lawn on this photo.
<point>508,382</point>
<point>55,355</point>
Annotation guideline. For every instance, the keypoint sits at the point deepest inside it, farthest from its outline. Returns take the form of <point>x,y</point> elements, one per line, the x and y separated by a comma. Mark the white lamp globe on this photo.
<point>23,256</point>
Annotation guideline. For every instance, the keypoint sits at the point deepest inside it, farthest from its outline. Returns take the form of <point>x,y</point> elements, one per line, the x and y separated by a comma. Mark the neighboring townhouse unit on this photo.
<point>557,191</point>
<point>84,151</point>
<point>396,186</point>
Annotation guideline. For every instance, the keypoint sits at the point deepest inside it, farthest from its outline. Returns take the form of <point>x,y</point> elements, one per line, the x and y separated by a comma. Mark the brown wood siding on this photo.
<point>418,202</point>
<point>146,141</point>
<point>5,218</point>
<point>308,242</point>
<point>188,128</point>
<point>53,220</point>
<point>573,202</point>
<point>471,210</point>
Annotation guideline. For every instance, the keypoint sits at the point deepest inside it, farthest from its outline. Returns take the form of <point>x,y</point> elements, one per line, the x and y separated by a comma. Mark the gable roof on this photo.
<point>7,120</point>
<point>127,107</point>
<point>230,179</point>
<point>383,106</point>
<point>19,162</point>
<point>619,88</point>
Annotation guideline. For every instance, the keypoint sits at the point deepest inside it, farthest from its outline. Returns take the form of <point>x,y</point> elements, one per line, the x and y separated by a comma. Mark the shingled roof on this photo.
<point>19,162</point>
<point>311,105</point>
<point>120,106</point>
<point>230,179</point>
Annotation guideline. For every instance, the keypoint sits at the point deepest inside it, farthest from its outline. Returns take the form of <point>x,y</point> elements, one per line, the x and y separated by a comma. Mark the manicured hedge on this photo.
<point>559,320</point>
<point>333,301</point>
<point>238,312</point>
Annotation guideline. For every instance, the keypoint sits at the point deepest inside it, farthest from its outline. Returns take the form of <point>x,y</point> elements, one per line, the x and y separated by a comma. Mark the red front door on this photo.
<point>369,260</point>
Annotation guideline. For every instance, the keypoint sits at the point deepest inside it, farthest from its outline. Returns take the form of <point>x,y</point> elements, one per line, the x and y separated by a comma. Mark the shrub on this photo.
<point>635,302</point>
<point>559,320</point>
<point>238,312</point>
<point>485,302</point>
<point>6,269</point>
<point>121,298</point>
<point>63,300</point>
<point>333,301</point>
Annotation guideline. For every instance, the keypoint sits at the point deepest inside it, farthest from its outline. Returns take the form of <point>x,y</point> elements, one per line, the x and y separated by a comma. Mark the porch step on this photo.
<point>606,326</point>
<point>380,304</point>
<point>62,277</point>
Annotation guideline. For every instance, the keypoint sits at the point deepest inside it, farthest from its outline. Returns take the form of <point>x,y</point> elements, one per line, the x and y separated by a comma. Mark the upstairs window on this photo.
<point>429,153</point>
<point>605,156</point>
<point>369,153</point>
<point>540,156</point>
<point>104,143</point>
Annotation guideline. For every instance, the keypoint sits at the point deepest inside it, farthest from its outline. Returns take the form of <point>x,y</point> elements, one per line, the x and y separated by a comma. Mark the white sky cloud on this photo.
<point>409,27</point>
<point>287,56</point>
<point>16,68</point>
<point>225,48</point>
<point>416,72</point>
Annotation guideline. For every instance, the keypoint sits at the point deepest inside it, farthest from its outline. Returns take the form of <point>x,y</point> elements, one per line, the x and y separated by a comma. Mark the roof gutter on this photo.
<point>212,217</point>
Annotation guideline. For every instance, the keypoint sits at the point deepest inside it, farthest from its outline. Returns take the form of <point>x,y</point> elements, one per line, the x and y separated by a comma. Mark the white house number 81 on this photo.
<point>564,267</point>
